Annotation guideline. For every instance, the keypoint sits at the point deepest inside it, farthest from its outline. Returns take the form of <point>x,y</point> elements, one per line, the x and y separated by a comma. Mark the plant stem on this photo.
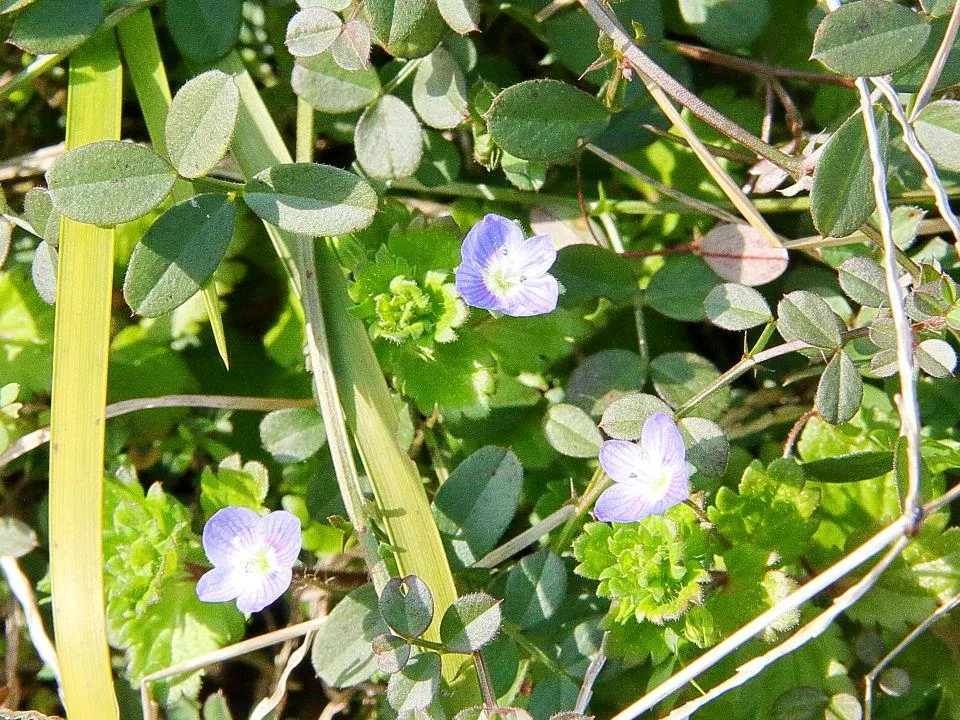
<point>486,686</point>
<point>525,539</point>
<point>409,67</point>
<point>305,133</point>
<point>939,63</point>
<point>598,483</point>
<point>716,150</point>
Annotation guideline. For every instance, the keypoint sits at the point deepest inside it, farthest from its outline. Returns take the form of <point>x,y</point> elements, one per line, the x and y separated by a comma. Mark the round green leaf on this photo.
<point>894,681</point>
<point>341,653</point>
<point>545,120</point>
<point>624,418</point>
<point>311,31</point>
<point>392,653</point>
<point>388,139</point>
<point>423,36</point>
<point>535,589</point>
<point>552,695</point>
<point>603,377</point>
<point>679,288</point>
<point>292,435</point>
<point>678,376</point>
<point>204,30</point>
<point>869,38</point>
<point>414,687</point>
<point>40,213</point>
<point>800,703</point>
<point>470,622</point>
<point>351,49</point>
<point>840,391</point>
<point>736,307</point>
<point>724,23</point>
<point>109,182</point>
<point>391,21</point>
<point>461,15</point>
<point>311,199</point>
<point>938,130</point>
<point>201,121</point>
<point>862,280</point>
<point>742,254</point>
<point>708,448</point>
<point>44,272</point>
<point>588,271</point>
<point>329,88</point>
<point>178,255</point>
<point>841,198</point>
<point>46,26</point>
<point>406,605</point>
<point>16,538</point>
<point>571,432</point>
<point>802,315</point>
<point>936,358</point>
<point>440,91</point>
<point>911,76</point>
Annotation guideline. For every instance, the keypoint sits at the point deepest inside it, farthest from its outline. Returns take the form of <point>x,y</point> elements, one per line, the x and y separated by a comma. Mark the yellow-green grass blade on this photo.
<point>81,351</point>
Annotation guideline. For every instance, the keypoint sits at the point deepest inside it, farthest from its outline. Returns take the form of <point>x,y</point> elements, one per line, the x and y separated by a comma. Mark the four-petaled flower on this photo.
<point>502,271</point>
<point>252,556</point>
<point>649,477</point>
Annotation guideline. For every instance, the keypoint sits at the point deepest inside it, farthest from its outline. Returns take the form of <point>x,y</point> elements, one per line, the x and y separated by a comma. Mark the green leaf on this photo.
<point>16,538</point>
<point>311,199</point>
<point>528,175</point>
<point>854,467</point>
<point>535,589</point>
<point>680,288</point>
<point>293,434</point>
<point>200,122</point>
<point>341,653</point>
<point>6,234</point>
<point>47,27</point>
<point>311,31</point>
<point>414,687</point>
<point>233,484</point>
<point>109,182</point>
<point>841,198</point>
<point>802,315</point>
<point>470,623</point>
<point>215,707</point>
<point>406,605</point>
<point>624,418</point>
<point>840,391</point>
<point>937,8</point>
<point>44,272</point>
<point>351,49</point>
<point>389,141</point>
<point>936,358</point>
<point>603,377</point>
<point>726,24</point>
<point>736,307</point>
<point>9,6</point>
<point>391,21</point>
<point>475,505</point>
<point>742,254</point>
<point>178,255</point>
<point>911,76</point>
<point>461,15</point>
<point>869,38</point>
<point>40,213</point>
<point>679,376</point>
<point>545,120</point>
<point>938,130</point>
<point>862,280</point>
<point>588,271</point>
<point>707,446</point>
<point>800,703</point>
<point>440,90</point>
<point>327,87</point>
<point>552,695</point>
<point>392,653</point>
<point>571,431</point>
<point>204,30</point>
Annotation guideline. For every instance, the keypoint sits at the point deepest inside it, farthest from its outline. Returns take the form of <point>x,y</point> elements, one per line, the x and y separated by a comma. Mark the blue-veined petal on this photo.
<point>226,532</point>
<point>281,531</point>
<point>264,589</point>
<point>221,584</point>
<point>491,234</point>
<point>533,297</point>
<point>621,502</point>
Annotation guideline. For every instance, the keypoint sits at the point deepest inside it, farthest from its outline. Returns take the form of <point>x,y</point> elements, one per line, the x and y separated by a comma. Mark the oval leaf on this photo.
<point>311,31</point>
<point>311,199</point>
<point>44,272</point>
<point>407,605</point>
<point>742,254</point>
<point>351,49</point>
<point>862,280</point>
<point>341,653</point>
<point>588,271</point>
<point>329,88</point>
<point>624,419</point>
<point>414,687</point>
<point>726,24</point>
<point>571,432</point>
<point>840,391</point>
<point>440,91</point>
<point>46,26</point>
<point>179,254</point>
<point>938,130</point>
<point>736,307</point>
<point>470,622</point>
<point>535,589</point>
<point>678,376</point>
<point>200,123</point>
<point>292,435</point>
<point>936,358</point>
<point>802,315</point>
<point>708,448</point>
<point>545,120</point>
<point>461,15</point>
<point>680,287</point>
<point>204,30</point>
<point>389,140</point>
<point>392,653</point>
<point>603,377</point>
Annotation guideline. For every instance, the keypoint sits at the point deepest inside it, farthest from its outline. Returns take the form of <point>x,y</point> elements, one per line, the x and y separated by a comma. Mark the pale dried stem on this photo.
<point>590,676</point>
<point>267,705</point>
<point>929,83</point>
<point>526,538</point>
<point>22,589</point>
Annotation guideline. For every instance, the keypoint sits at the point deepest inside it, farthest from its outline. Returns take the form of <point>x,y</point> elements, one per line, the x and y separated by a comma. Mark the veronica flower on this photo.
<point>503,271</point>
<point>252,556</point>
<point>649,477</point>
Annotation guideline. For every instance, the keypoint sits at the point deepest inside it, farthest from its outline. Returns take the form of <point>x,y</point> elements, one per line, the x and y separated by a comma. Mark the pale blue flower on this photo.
<point>501,270</point>
<point>252,556</point>
<point>648,478</point>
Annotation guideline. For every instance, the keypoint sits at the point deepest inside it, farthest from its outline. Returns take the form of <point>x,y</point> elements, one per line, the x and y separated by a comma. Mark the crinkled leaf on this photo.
<point>200,122</point>
<point>389,140</point>
<point>233,484</point>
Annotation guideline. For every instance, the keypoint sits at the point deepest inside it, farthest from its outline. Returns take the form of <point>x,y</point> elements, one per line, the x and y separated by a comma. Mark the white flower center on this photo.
<point>260,561</point>
<point>499,277</point>
<point>661,483</point>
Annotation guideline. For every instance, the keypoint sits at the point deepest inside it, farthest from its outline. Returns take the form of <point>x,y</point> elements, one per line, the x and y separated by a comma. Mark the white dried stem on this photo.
<point>526,538</point>
<point>590,676</point>
<point>939,62</point>
<point>267,705</point>
<point>22,590</point>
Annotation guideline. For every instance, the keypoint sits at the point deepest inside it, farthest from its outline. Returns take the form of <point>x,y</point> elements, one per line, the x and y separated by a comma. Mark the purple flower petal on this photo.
<point>677,491</point>
<point>488,236</point>
<point>623,461</point>
<point>472,288</point>
<point>224,530</point>
<point>622,502</point>
<point>282,532</point>
<point>221,584</point>
<point>534,256</point>
<point>662,441</point>
<point>263,590</point>
<point>533,297</point>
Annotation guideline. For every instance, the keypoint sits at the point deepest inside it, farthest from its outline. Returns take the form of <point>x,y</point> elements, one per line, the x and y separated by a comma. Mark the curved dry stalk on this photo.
<point>929,83</point>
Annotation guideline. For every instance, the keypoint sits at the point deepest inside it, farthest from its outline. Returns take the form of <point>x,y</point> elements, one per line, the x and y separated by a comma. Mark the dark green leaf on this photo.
<point>603,377</point>
<point>471,622</point>
<point>341,654</point>
<point>200,123</point>
<point>389,140</point>
<point>47,27</point>
<point>910,76</point>
<point>800,703</point>
<point>588,271</point>
<point>179,254</point>
<point>679,376</point>
<point>406,605</point>
<point>440,90</point>
<point>535,589</point>
<point>109,182</point>
<point>414,687</point>
<point>679,288</point>
<point>736,307</point>
<point>16,538</point>
<point>850,468</point>
<point>392,653</point>
<point>726,24</point>
<point>331,89</point>
<point>862,280</point>
<point>552,695</point>
<point>204,30</point>
<point>840,391</point>
<point>545,120</point>
<point>802,315</point>
<point>707,446</point>
<point>571,431</point>
<point>293,434</point>
<point>624,418</point>
<point>391,21</point>
<point>938,129</point>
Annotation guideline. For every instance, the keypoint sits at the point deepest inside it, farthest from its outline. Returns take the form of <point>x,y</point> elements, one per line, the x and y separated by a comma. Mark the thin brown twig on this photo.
<point>795,431</point>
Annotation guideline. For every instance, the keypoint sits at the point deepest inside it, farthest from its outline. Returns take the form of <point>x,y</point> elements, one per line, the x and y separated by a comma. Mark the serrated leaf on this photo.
<point>44,26</point>
<point>16,538</point>
<point>204,30</point>
<point>311,199</point>
<point>461,15</point>
<point>571,431</point>
<point>389,140</point>
<point>938,130</point>
<point>679,288</point>
<point>470,623</point>
<point>311,31</point>
<point>840,391</point>
<point>736,307</point>
<point>802,315</point>
<point>742,254</point>
<point>329,88</point>
<point>351,48</point>
<point>406,605</point>
<point>292,435</point>
<point>624,418</point>
<point>392,653</point>
<point>535,589</point>
<point>841,198</point>
<point>109,182</point>
<point>342,655</point>
<point>43,270</point>
<point>707,446</point>
<point>414,687</point>
<point>440,90</point>
<point>233,484</point>
<point>475,505</point>
<point>545,120</point>
<point>936,358</point>
<point>603,377</point>
<point>178,255</point>
<point>678,376</point>
<point>869,38</point>
<point>200,123</point>
<point>862,280</point>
